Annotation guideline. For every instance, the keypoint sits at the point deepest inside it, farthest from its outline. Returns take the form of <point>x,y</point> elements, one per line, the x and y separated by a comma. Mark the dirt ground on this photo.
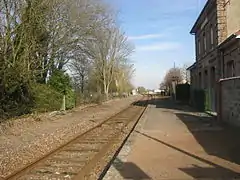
<point>174,142</point>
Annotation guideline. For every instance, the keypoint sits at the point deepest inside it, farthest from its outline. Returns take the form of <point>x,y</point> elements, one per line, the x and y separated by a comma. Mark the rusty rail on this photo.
<point>78,157</point>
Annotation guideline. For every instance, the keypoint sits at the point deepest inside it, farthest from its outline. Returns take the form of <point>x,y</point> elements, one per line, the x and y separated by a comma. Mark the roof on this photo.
<point>192,66</point>
<point>231,39</point>
<point>207,6</point>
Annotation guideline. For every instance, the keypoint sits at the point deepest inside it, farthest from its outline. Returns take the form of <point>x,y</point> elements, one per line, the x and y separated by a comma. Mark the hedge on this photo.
<point>183,92</point>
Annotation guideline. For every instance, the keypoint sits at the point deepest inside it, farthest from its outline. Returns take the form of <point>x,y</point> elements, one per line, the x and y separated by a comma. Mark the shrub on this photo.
<point>46,98</point>
<point>15,99</point>
<point>60,81</point>
<point>199,97</point>
<point>95,98</point>
<point>70,99</point>
<point>183,92</point>
<point>207,100</point>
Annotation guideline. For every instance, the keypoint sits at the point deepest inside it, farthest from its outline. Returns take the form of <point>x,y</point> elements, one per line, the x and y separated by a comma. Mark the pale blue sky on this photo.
<point>159,30</point>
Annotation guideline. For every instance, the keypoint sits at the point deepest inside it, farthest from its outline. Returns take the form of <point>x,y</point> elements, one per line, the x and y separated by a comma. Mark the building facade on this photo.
<point>218,20</point>
<point>229,56</point>
<point>229,85</point>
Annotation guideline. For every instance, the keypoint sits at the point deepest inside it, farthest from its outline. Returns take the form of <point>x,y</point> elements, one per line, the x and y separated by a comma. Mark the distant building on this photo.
<point>134,92</point>
<point>157,91</point>
<point>150,92</point>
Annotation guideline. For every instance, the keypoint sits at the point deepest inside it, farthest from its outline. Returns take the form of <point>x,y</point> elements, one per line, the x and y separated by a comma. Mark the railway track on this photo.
<point>77,158</point>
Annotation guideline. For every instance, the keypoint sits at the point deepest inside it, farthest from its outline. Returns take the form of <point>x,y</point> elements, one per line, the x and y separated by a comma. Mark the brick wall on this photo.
<point>230,101</point>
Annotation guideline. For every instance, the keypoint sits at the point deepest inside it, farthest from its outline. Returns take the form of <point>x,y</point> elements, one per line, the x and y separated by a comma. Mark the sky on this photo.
<point>159,30</point>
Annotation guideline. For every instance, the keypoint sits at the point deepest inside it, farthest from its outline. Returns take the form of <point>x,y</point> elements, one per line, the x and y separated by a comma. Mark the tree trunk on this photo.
<point>105,88</point>
<point>82,84</point>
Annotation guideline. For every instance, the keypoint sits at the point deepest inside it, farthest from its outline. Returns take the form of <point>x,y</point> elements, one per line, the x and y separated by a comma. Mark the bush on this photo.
<point>15,99</point>
<point>199,98</point>
<point>97,98</point>
<point>183,92</point>
<point>60,81</point>
<point>207,100</point>
<point>70,99</point>
<point>19,97</point>
<point>46,98</point>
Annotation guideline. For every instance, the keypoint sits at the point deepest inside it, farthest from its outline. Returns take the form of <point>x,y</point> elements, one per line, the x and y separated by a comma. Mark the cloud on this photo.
<point>146,36</point>
<point>165,46</point>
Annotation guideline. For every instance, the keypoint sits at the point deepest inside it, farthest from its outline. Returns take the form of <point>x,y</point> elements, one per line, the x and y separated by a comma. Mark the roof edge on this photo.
<point>208,3</point>
<point>192,66</point>
<point>229,40</point>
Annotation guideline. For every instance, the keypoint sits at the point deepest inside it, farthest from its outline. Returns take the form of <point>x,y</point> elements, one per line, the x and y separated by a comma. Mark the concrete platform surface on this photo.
<point>174,142</point>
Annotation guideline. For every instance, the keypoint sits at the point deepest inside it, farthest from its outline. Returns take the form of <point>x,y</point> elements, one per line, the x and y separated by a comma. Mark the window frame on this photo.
<point>204,42</point>
<point>211,36</point>
<point>199,46</point>
<point>230,69</point>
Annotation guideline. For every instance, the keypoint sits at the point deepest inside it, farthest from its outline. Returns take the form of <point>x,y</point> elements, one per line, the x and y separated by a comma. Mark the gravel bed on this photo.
<point>114,172</point>
<point>25,140</point>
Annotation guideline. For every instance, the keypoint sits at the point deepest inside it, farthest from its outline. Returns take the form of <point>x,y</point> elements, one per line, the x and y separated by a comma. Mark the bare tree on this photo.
<point>185,73</point>
<point>173,74</point>
<point>80,68</point>
<point>123,77</point>
<point>162,86</point>
<point>70,25</point>
<point>40,37</point>
<point>109,50</point>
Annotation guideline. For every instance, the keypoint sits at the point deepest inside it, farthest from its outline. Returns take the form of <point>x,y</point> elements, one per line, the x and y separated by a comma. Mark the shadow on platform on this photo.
<point>216,171</point>
<point>129,170</point>
<point>216,139</point>
<point>208,172</point>
<point>165,102</point>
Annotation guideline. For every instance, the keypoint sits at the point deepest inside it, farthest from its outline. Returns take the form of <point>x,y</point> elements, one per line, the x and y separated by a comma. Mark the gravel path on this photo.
<point>24,140</point>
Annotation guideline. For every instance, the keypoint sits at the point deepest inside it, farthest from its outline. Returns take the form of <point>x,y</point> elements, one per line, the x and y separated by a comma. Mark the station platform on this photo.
<point>173,142</point>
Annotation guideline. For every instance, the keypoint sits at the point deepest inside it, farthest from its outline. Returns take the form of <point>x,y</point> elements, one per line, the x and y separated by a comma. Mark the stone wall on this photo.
<point>232,53</point>
<point>221,21</point>
<point>205,30</point>
<point>233,16</point>
<point>230,100</point>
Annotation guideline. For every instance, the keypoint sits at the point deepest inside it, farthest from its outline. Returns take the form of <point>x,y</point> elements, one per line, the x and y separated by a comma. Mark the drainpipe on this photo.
<point>219,114</point>
<point>222,64</point>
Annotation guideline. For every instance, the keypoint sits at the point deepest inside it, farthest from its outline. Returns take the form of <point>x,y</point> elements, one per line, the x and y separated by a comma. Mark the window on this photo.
<point>191,80</point>
<point>211,36</point>
<point>200,80</point>
<point>213,77</point>
<point>204,42</point>
<point>206,79</point>
<point>199,47</point>
<point>230,69</point>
